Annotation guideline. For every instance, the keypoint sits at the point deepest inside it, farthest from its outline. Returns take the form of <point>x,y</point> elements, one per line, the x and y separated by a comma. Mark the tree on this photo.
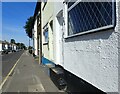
<point>12,41</point>
<point>30,49</point>
<point>18,45</point>
<point>28,26</point>
<point>21,46</point>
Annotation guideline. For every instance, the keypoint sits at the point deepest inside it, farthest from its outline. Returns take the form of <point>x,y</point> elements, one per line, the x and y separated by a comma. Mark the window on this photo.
<point>46,35</point>
<point>51,25</point>
<point>84,17</point>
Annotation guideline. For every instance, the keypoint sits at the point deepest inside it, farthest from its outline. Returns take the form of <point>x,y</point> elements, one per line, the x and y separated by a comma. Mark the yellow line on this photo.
<point>1,85</point>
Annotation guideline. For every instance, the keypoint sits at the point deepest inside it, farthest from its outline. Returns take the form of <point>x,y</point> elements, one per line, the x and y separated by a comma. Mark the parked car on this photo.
<point>5,51</point>
<point>13,50</point>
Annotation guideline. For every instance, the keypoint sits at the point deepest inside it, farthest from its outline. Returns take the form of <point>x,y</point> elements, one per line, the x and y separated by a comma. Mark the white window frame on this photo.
<point>89,31</point>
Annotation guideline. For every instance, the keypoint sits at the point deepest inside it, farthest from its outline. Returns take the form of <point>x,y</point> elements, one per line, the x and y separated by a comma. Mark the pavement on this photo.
<point>29,76</point>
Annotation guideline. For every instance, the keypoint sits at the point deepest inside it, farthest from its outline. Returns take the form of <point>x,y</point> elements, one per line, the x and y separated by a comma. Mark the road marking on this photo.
<point>1,85</point>
<point>7,86</point>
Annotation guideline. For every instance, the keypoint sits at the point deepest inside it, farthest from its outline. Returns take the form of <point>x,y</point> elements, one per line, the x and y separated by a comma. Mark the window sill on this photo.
<point>90,31</point>
<point>45,43</point>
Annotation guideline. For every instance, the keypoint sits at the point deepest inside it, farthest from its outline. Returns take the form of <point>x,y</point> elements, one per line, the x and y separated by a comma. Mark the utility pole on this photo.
<point>29,42</point>
<point>40,35</point>
<point>29,46</point>
<point>39,51</point>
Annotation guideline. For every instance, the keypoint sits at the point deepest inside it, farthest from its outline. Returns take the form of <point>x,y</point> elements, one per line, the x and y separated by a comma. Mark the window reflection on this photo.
<point>89,15</point>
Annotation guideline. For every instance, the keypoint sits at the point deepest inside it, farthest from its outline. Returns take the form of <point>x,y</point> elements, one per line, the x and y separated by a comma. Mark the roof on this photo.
<point>5,42</point>
<point>37,9</point>
<point>0,41</point>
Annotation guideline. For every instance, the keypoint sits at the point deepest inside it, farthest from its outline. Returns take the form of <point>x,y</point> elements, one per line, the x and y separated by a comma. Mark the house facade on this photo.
<point>83,38</point>
<point>51,25</point>
<point>37,38</point>
<point>91,37</point>
<point>14,46</point>
<point>47,32</point>
<point>0,45</point>
<point>4,45</point>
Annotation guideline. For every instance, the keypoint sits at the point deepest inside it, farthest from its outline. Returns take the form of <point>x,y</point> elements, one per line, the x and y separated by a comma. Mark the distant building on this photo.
<point>4,45</point>
<point>13,46</point>
<point>1,48</point>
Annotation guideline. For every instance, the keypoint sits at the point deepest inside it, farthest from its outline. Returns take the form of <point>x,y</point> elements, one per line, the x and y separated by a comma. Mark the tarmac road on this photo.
<point>8,61</point>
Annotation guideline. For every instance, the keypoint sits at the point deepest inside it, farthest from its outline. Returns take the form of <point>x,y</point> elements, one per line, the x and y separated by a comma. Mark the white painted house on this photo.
<point>83,38</point>
<point>6,44</point>
<point>35,38</point>
<point>36,29</point>
<point>0,45</point>
<point>13,46</point>
<point>91,43</point>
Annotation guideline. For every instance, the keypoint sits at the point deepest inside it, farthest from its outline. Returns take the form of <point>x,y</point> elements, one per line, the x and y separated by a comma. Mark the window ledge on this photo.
<point>90,31</point>
<point>45,43</point>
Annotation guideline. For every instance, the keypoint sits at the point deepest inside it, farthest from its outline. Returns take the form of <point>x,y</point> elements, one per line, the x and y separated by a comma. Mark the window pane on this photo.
<point>46,35</point>
<point>70,4</point>
<point>89,15</point>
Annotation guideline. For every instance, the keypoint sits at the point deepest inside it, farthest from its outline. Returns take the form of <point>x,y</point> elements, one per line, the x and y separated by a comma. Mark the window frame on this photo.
<point>46,30</point>
<point>112,26</point>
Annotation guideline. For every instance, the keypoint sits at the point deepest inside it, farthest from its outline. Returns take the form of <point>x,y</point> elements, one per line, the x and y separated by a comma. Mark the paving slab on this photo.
<point>29,76</point>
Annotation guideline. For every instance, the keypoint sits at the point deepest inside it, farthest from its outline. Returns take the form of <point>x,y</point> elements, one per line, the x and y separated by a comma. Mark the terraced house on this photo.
<point>4,45</point>
<point>82,38</point>
<point>37,38</point>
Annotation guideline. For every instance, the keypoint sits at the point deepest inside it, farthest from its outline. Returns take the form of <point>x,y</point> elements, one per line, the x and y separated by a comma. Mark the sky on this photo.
<point>14,17</point>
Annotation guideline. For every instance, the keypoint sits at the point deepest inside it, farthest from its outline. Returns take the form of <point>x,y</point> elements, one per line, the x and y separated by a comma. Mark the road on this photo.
<point>8,61</point>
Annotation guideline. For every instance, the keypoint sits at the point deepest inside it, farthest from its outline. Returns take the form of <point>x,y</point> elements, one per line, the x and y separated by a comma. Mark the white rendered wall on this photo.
<point>6,46</point>
<point>94,57</point>
<point>35,38</point>
<point>118,22</point>
<point>47,17</point>
<point>50,36</point>
<point>47,13</point>
<point>58,56</point>
<point>14,47</point>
